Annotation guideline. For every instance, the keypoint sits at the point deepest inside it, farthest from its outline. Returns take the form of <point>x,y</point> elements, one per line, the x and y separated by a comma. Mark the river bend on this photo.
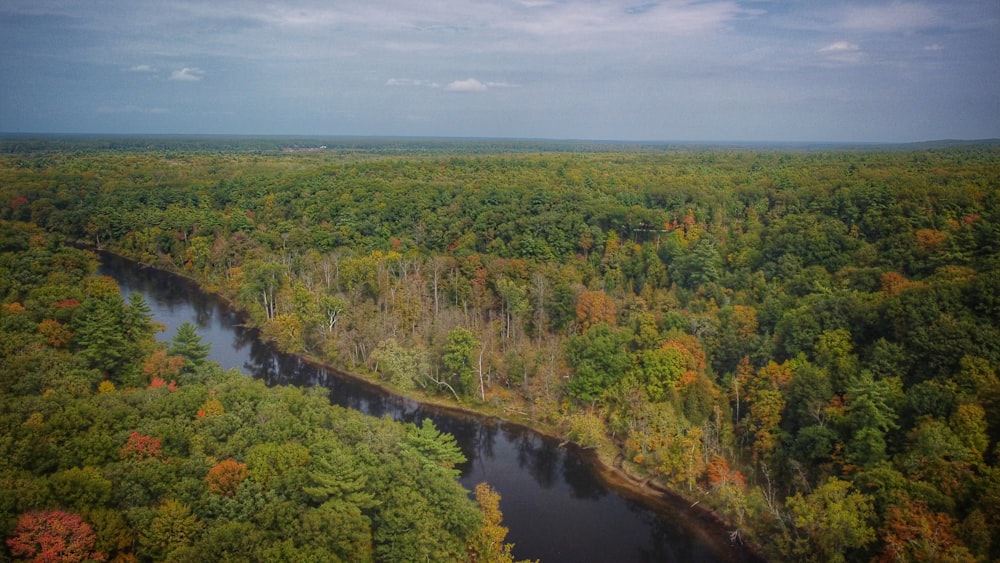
<point>552,501</point>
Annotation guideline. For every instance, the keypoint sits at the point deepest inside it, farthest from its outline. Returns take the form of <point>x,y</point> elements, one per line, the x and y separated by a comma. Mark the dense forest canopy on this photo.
<point>119,448</point>
<point>807,341</point>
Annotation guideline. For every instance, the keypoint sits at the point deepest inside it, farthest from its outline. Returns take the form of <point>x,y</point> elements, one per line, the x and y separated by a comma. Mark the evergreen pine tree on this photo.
<point>188,345</point>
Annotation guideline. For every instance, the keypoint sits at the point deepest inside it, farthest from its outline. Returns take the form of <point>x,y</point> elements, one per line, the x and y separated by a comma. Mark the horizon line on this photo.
<point>462,138</point>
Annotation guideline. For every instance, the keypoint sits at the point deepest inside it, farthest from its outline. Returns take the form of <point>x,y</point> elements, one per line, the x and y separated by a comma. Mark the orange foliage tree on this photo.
<point>915,533</point>
<point>225,478</point>
<point>160,365</point>
<point>594,307</point>
<point>56,334</point>
<point>930,240</point>
<point>893,283</point>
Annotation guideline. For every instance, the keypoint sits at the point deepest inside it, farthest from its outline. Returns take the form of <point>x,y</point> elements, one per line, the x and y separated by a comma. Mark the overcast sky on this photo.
<point>726,70</point>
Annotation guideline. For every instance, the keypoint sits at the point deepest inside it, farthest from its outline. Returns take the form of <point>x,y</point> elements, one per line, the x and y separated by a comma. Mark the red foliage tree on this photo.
<point>68,304</point>
<point>141,447</point>
<point>53,536</point>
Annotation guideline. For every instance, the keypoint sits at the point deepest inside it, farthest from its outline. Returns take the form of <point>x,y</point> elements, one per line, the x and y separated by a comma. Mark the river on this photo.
<point>552,500</point>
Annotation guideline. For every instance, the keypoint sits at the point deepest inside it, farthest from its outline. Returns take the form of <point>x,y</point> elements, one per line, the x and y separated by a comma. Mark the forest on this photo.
<point>806,341</point>
<point>119,448</point>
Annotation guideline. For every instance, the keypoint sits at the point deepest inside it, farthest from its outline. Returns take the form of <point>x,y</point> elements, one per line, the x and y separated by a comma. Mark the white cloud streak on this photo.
<point>411,82</point>
<point>187,74</point>
<point>840,47</point>
<point>843,52</point>
<point>467,85</point>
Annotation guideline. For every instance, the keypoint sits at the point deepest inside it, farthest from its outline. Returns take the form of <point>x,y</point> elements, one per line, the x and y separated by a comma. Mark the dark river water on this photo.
<point>552,501</point>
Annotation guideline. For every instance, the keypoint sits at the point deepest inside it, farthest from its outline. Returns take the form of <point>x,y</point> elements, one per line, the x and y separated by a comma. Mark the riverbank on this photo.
<point>704,523</point>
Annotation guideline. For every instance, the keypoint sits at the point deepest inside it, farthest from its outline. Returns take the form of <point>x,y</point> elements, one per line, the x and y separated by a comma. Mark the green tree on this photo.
<point>275,465</point>
<point>112,336</point>
<point>434,446</point>
<point>404,367</point>
<point>99,336</point>
<point>137,321</point>
<point>698,267</point>
<point>661,370</point>
<point>187,344</point>
<point>514,304</point>
<point>337,474</point>
<point>339,528</point>
<point>736,338</point>
<point>80,488</point>
<point>173,527</point>
<point>835,519</point>
<point>459,359</point>
<point>871,412</point>
<point>599,360</point>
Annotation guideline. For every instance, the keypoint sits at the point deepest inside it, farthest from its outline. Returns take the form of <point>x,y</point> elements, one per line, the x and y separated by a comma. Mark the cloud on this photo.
<point>467,85</point>
<point>411,82</point>
<point>187,74</point>
<point>842,52</point>
<point>840,47</point>
<point>611,68</point>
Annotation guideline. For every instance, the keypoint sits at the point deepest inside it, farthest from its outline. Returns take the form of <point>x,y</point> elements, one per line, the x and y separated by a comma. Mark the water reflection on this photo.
<point>580,478</point>
<point>555,507</point>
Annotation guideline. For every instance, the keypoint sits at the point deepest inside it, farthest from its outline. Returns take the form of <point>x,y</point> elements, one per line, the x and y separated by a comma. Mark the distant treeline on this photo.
<point>28,143</point>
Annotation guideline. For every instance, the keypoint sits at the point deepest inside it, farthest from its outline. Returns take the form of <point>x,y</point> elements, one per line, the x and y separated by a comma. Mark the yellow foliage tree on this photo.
<point>487,546</point>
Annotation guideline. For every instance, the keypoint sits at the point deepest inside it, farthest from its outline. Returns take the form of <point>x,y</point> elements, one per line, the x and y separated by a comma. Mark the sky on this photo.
<point>670,70</point>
